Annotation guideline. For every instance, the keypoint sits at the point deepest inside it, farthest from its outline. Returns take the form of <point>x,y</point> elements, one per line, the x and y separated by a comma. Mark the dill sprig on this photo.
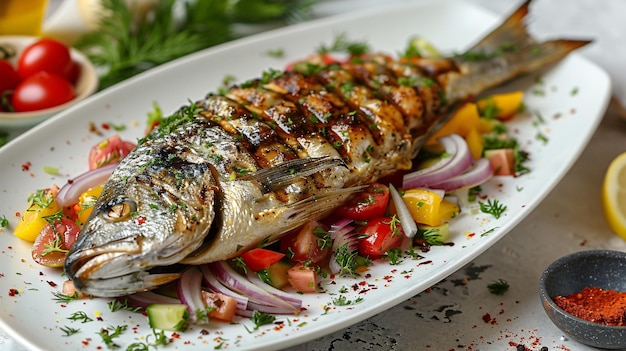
<point>498,287</point>
<point>123,48</point>
<point>492,207</point>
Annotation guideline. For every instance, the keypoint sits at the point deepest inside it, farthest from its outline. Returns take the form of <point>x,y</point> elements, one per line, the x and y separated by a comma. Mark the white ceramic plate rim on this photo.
<point>63,141</point>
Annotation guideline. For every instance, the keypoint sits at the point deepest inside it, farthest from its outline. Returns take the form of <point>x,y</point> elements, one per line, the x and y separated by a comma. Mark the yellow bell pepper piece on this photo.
<point>475,143</point>
<point>32,221</point>
<point>465,119</point>
<point>424,206</point>
<point>86,201</point>
<point>505,105</point>
<point>448,210</point>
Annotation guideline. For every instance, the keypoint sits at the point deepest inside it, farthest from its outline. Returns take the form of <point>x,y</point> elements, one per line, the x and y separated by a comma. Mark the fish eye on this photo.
<point>121,210</point>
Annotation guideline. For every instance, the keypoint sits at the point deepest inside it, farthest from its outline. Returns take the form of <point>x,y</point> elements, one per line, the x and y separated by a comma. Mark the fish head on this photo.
<point>140,228</point>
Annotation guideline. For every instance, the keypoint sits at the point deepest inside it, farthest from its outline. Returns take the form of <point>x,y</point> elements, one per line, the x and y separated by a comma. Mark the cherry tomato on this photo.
<point>259,258</point>
<point>307,243</point>
<point>111,150</point>
<point>9,75</point>
<point>46,55</point>
<point>40,91</point>
<point>382,234</point>
<point>72,72</point>
<point>53,242</point>
<point>368,204</point>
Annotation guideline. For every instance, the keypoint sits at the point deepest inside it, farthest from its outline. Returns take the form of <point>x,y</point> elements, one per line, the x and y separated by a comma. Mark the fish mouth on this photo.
<point>115,269</point>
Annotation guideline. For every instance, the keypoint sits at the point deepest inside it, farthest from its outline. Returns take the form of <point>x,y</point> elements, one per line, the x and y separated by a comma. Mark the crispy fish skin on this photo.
<point>231,171</point>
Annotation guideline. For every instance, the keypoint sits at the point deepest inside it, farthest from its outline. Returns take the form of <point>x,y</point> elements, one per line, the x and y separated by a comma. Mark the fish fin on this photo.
<point>505,53</point>
<point>281,175</point>
<point>512,30</point>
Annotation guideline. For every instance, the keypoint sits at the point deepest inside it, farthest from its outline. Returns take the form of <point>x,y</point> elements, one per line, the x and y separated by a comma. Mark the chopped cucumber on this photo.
<point>276,274</point>
<point>172,317</point>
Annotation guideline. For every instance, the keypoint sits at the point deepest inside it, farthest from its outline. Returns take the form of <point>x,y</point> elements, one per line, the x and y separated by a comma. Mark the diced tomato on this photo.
<point>223,306</point>
<point>382,234</point>
<point>54,241</point>
<point>259,258</point>
<point>109,151</point>
<point>365,205</point>
<point>302,278</point>
<point>310,243</point>
<point>502,161</point>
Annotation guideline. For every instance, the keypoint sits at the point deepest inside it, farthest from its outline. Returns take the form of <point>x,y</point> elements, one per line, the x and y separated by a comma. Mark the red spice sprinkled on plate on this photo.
<point>105,126</point>
<point>13,292</point>
<point>52,284</point>
<point>26,166</point>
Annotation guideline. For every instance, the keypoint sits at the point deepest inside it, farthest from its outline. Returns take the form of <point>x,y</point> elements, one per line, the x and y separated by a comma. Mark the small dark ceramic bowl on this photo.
<point>570,274</point>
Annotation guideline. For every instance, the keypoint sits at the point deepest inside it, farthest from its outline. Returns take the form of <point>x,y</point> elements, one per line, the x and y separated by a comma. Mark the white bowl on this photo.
<point>86,85</point>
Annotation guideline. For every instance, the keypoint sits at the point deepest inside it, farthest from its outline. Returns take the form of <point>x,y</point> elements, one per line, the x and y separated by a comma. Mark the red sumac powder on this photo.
<point>596,305</point>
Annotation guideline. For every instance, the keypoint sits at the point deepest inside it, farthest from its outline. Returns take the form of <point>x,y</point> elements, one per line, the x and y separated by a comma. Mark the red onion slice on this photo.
<point>214,285</point>
<point>69,193</point>
<point>480,172</point>
<point>404,215</point>
<point>253,306</point>
<point>190,293</point>
<point>227,276</point>
<point>285,296</point>
<point>147,298</point>
<point>460,160</point>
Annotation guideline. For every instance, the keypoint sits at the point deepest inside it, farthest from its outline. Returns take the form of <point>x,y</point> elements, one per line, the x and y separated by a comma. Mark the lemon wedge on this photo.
<point>614,195</point>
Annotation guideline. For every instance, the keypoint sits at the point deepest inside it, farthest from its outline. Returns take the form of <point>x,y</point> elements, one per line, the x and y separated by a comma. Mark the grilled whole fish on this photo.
<point>233,170</point>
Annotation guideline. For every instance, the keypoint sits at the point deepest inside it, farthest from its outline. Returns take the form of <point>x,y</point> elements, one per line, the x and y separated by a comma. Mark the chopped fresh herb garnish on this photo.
<point>51,170</point>
<point>260,318</point>
<point>240,264</point>
<point>80,316</point>
<point>394,256</point>
<point>111,333</point>
<point>62,298</point>
<point>69,330</point>
<point>324,239</point>
<point>432,236</point>
<point>117,305</point>
<point>4,222</point>
<point>492,207</point>
<point>343,301</point>
<point>347,260</point>
<point>343,44</point>
<point>278,53</point>
<point>498,287</point>
<point>41,198</point>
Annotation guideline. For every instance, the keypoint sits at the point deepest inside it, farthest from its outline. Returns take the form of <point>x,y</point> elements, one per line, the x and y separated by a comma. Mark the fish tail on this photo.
<point>505,53</point>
